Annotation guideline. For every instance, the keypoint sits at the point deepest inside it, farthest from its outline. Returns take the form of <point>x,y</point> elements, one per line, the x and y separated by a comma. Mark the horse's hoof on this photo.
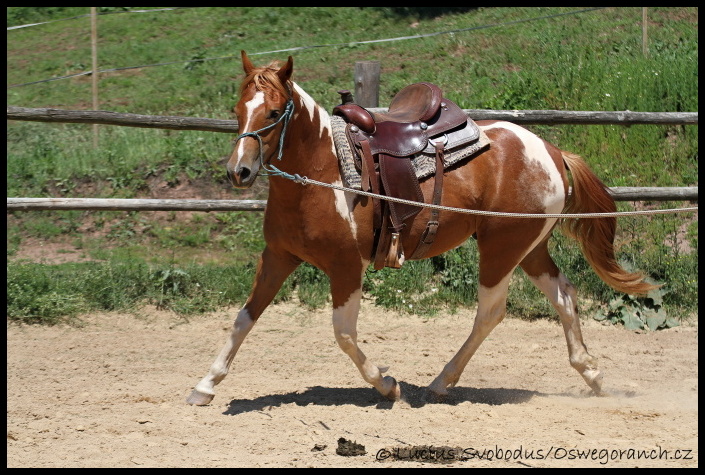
<point>393,394</point>
<point>593,378</point>
<point>198,398</point>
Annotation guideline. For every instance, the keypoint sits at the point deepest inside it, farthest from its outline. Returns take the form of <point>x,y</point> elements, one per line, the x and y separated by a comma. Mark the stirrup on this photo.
<point>395,256</point>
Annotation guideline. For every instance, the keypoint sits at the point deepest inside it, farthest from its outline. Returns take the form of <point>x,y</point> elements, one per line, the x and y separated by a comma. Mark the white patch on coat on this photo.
<point>535,151</point>
<point>345,329</point>
<point>311,107</point>
<point>345,316</point>
<point>219,369</point>
<point>344,203</point>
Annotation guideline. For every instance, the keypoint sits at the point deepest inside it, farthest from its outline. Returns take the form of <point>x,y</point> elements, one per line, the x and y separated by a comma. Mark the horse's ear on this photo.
<point>285,72</point>
<point>246,63</point>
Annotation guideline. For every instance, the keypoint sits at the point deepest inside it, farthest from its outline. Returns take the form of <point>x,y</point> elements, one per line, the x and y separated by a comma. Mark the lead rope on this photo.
<point>305,181</point>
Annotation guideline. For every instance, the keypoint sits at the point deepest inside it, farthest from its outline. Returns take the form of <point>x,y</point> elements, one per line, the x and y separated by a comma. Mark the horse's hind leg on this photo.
<point>346,290</point>
<point>544,273</point>
<point>272,271</point>
<point>502,244</point>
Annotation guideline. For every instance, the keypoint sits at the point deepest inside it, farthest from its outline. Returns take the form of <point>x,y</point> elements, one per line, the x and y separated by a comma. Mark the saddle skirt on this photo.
<point>461,144</point>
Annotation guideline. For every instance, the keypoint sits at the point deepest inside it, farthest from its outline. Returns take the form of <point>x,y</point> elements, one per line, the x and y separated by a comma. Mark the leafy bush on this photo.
<point>637,313</point>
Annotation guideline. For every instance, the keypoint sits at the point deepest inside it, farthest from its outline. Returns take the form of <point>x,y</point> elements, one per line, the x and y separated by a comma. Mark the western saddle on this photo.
<point>419,119</point>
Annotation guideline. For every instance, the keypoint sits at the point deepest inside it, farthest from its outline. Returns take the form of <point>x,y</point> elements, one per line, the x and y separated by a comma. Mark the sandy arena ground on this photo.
<point>112,394</point>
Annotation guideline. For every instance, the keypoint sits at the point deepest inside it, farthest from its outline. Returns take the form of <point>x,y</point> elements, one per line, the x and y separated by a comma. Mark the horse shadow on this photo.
<point>415,396</point>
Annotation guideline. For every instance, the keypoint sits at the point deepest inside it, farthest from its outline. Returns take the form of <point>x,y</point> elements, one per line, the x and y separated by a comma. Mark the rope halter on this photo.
<point>286,117</point>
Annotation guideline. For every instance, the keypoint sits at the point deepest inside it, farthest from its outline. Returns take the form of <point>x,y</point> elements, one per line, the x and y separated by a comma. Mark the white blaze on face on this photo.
<point>250,107</point>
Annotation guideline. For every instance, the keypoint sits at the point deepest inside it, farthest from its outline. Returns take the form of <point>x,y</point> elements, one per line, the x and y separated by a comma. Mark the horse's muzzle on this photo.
<point>241,176</point>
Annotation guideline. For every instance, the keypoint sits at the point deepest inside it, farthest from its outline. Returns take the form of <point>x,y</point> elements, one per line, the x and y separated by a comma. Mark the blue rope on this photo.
<point>271,170</point>
<point>286,117</point>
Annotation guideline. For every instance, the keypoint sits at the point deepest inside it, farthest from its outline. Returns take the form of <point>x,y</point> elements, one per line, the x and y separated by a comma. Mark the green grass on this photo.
<point>585,61</point>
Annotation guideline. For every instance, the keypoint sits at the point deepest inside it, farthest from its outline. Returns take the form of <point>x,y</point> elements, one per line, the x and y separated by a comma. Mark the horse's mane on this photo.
<point>266,80</point>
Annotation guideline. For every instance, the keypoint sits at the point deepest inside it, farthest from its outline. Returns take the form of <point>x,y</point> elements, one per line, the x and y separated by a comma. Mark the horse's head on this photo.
<point>262,113</point>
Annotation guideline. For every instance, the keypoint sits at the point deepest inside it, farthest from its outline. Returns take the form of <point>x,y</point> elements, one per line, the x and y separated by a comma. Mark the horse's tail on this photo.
<point>596,235</point>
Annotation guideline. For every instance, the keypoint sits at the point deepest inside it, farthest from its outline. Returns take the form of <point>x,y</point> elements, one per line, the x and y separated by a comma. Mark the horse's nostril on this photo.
<point>244,173</point>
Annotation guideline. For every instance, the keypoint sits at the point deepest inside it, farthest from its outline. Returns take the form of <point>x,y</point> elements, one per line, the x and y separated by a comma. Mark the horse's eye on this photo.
<point>273,114</point>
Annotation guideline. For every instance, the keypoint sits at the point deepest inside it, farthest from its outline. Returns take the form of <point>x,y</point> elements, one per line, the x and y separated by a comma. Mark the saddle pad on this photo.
<point>424,162</point>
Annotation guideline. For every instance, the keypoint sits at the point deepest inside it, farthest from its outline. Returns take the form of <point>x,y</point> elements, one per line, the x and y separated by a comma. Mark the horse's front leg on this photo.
<point>491,309</point>
<point>347,292</point>
<point>272,271</point>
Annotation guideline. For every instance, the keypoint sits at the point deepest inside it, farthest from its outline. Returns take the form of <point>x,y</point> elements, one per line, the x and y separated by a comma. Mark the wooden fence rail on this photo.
<point>231,126</point>
<point>625,193</point>
<point>128,120</point>
<point>109,204</point>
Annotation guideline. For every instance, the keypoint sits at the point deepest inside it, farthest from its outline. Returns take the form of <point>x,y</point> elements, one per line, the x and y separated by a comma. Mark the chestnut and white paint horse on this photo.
<point>333,230</point>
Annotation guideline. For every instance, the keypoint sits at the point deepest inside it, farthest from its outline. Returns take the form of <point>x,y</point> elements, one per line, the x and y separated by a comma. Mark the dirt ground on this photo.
<point>112,394</point>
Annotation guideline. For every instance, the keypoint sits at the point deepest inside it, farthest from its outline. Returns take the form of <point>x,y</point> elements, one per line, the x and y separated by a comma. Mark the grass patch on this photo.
<point>584,61</point>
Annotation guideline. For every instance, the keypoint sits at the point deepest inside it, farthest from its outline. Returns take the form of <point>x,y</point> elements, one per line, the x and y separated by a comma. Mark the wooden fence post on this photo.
<point>644,37</point>
<point>94,72</point>
<point>367,83</point>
